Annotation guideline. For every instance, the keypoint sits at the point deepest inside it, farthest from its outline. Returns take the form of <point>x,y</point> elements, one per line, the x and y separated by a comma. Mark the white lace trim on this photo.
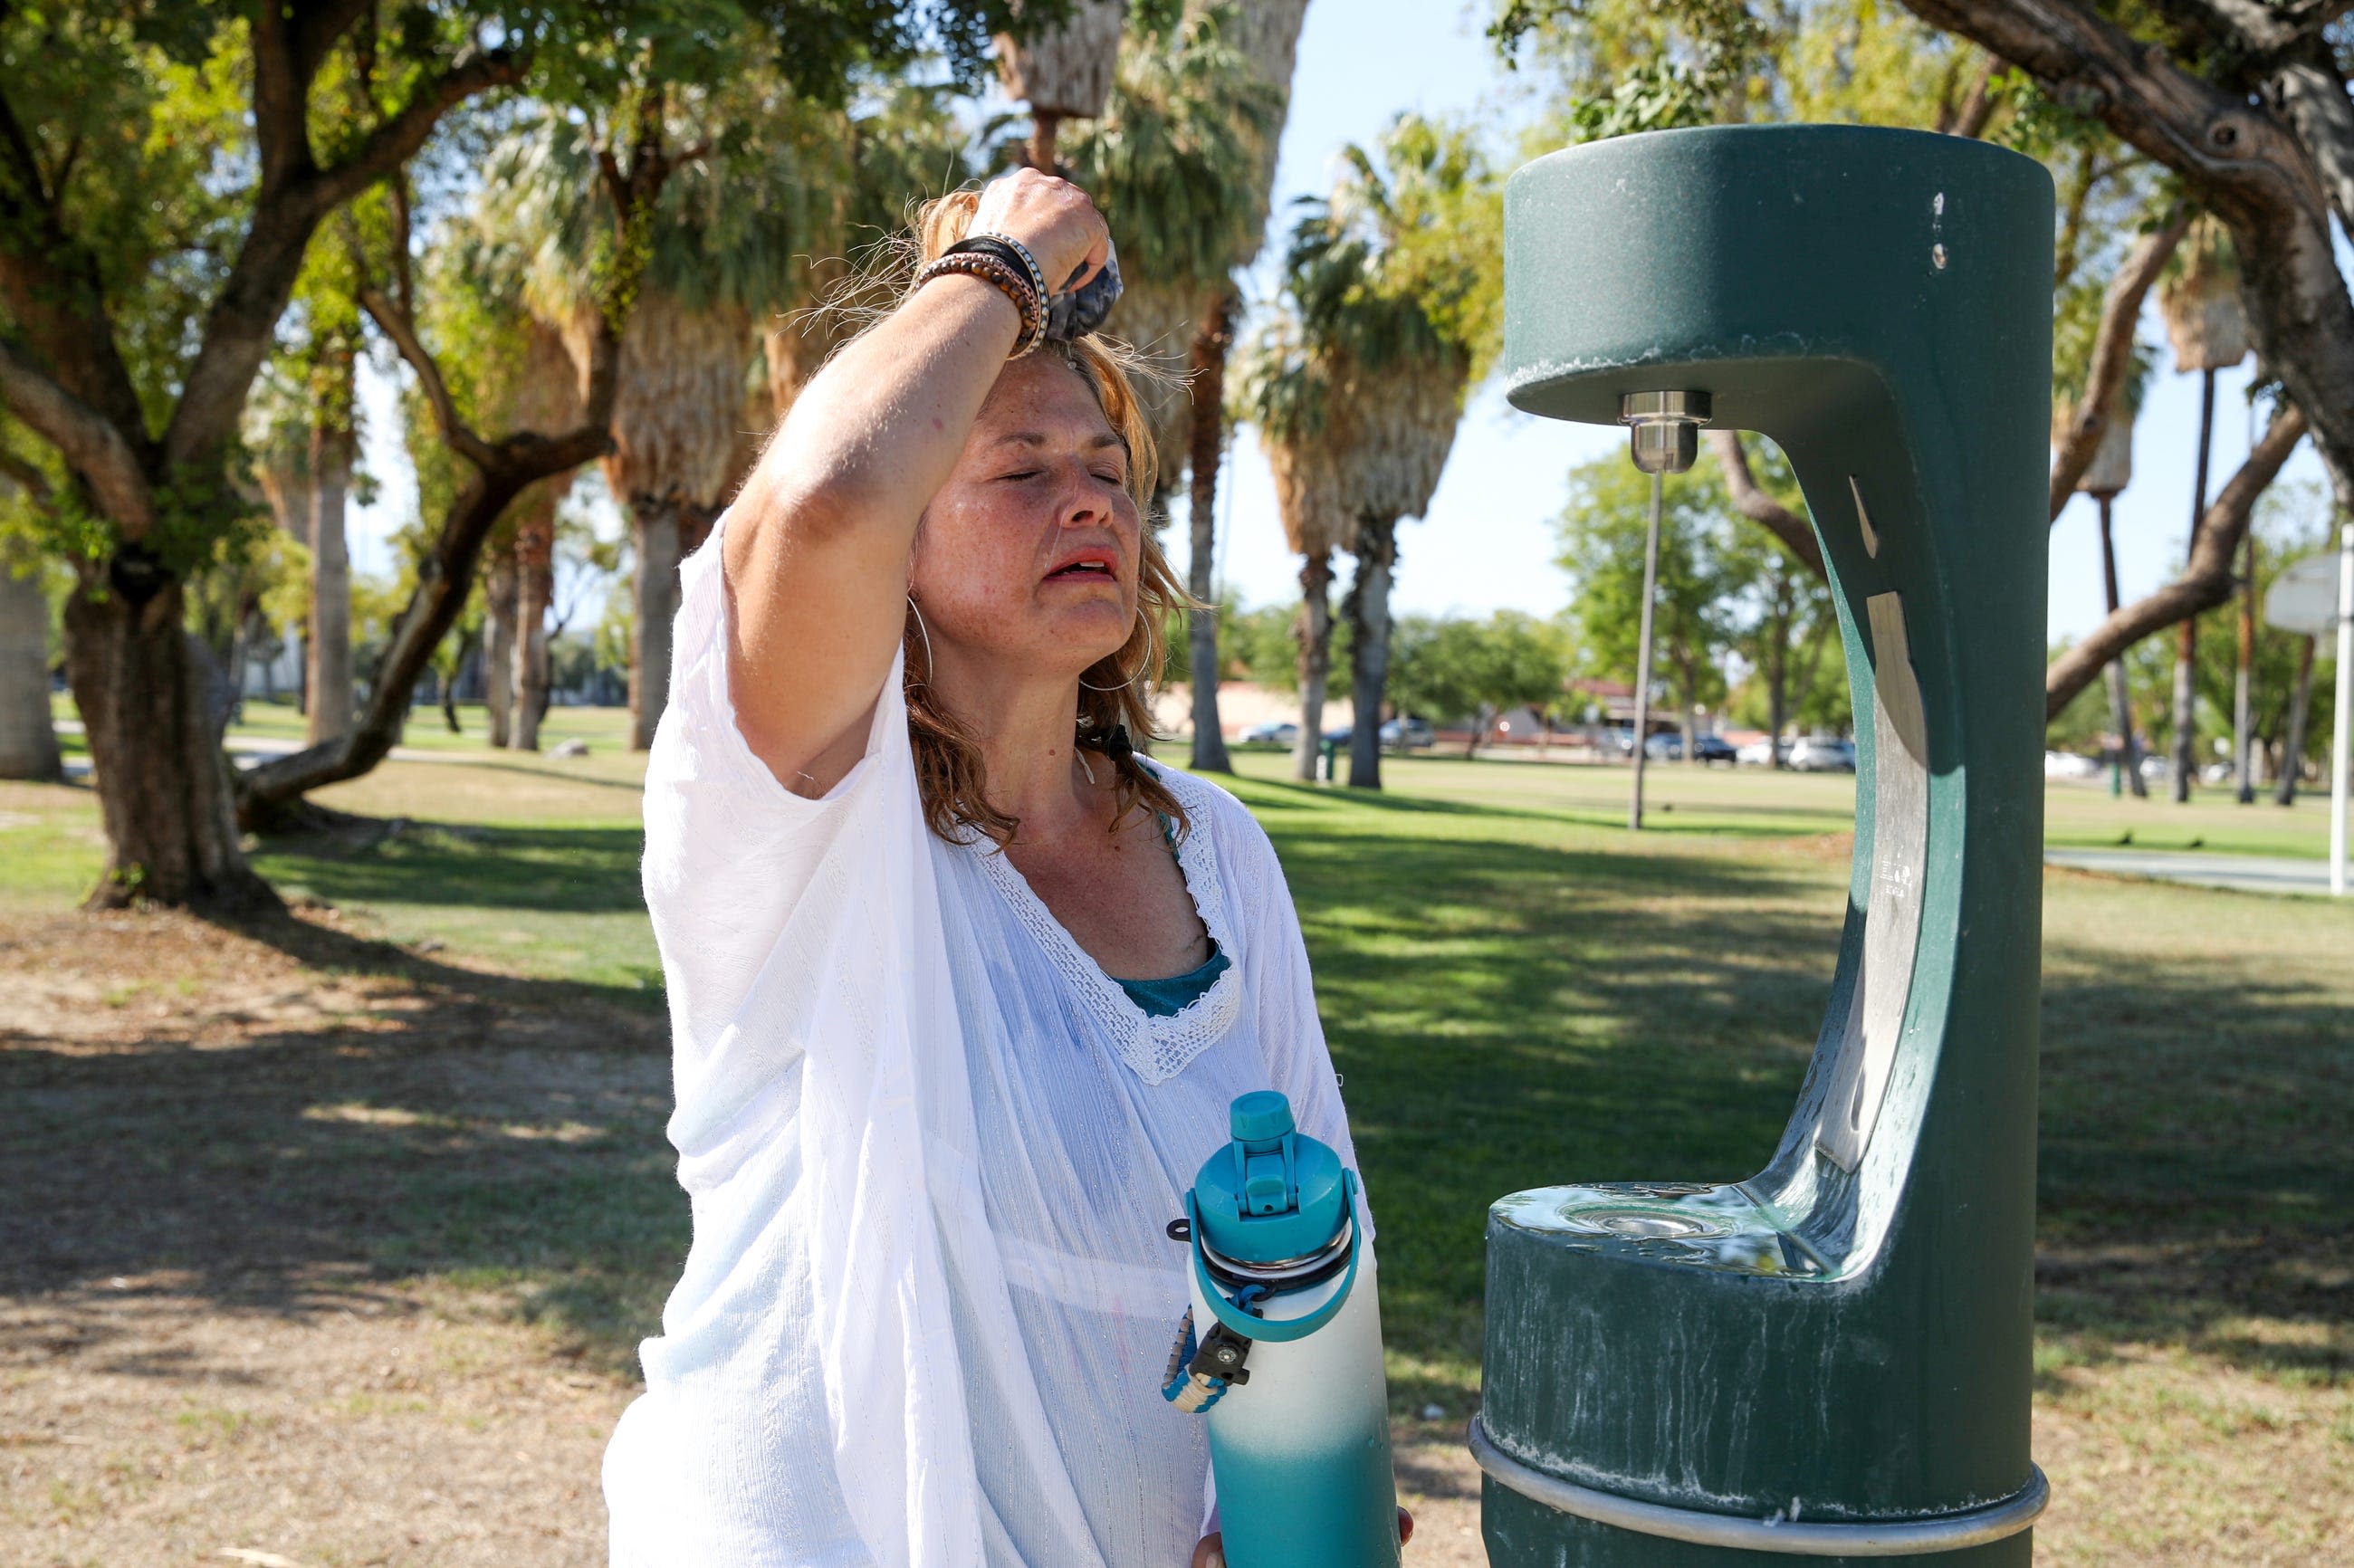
<point>1156,1049</point>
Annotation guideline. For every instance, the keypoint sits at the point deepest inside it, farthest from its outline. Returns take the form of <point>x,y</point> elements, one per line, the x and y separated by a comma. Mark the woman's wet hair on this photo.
<point>1115,701</point>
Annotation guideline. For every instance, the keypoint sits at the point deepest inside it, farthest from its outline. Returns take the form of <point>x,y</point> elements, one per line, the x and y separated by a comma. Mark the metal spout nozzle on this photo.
<point>1665,427</point>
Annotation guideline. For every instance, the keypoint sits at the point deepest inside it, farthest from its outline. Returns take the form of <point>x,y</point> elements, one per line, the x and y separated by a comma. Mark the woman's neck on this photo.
<point>1025,727</point>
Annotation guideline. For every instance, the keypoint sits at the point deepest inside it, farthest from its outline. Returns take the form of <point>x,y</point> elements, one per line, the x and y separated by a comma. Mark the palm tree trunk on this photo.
<point>500,599</point>
<point>1206,392</point>
<point>656,606</point>
<point>535,585</point>
<point>1369,646</point>
<point>328,712</point>
<point>1315,632</point>
<point>2242,763</point>
<point>29,740</point>
<point>2186,645</point>
<point>2300,709</point>
<point>2128,763</point>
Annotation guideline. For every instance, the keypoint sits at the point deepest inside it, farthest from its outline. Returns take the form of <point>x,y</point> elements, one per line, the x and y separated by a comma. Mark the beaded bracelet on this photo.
<point>995,271</point>
<point>988,242</point>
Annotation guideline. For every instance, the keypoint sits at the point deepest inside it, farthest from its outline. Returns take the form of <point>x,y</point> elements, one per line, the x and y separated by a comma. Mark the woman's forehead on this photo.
<point>1041,399</point>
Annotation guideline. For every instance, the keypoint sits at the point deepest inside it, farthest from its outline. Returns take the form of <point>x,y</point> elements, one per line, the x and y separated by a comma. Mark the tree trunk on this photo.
<point>29,740</point>
<point>140,681</point>
<point>328,712</point>
<point>2185,641</point>
<point>1777,679</point>
<point>499,613</point>
<point>2242,763</point>
<point>1480,723</point>
<point>656,606</point>
<point>1369,646</point>
<point>1206,392</point>
<point>1315,634</point>
<point>535,576</point>
<point>2120,696</point>
<point>2300,708</point>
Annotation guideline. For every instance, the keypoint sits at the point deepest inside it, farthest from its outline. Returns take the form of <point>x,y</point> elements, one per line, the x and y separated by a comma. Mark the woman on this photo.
<point>896,848</point>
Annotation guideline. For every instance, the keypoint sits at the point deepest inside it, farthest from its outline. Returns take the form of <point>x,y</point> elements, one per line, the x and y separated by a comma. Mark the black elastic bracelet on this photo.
<point>1015,256</point>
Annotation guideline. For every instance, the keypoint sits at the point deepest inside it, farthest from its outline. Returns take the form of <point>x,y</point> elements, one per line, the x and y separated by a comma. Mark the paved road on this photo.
<point>2240,873</point>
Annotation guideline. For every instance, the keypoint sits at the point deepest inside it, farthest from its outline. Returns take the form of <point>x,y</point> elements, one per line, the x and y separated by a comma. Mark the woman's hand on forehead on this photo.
<point>1054,218</point>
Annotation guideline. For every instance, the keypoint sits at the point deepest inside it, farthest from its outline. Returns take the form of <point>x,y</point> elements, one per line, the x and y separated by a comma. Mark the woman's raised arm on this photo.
<point>817,546</point>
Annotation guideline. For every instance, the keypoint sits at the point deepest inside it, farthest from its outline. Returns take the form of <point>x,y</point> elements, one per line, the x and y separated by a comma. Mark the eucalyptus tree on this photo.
<point>1397,279</point>
<point>1174,161</point>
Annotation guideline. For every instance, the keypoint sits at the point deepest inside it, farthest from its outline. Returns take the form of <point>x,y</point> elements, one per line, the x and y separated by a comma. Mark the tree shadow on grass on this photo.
<point>451,1130</point>
<point>2195,1184</point>
<point>569,870</point>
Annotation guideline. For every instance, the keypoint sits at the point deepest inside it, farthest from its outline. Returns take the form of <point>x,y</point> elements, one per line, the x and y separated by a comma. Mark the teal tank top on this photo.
<point>1167,997</point>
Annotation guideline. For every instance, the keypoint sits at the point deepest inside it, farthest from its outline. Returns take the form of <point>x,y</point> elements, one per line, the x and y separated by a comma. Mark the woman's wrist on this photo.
<point>1000,275</point>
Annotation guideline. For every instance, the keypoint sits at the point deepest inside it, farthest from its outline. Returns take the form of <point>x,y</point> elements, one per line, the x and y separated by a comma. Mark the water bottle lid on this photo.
<point>1260,1114</point>
<point>1273,1193</point>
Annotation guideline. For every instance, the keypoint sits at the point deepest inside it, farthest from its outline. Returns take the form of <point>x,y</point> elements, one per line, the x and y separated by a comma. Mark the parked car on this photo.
<point>1278,732</point>
<point>1665,749</point>
<point>2070,765</point>
<point>1707,748</point>
<point>1823,754</point>
<point>1407,731</point>
<point>1617,741</point>
<point>1341,736</point>
<point>1761,753</point>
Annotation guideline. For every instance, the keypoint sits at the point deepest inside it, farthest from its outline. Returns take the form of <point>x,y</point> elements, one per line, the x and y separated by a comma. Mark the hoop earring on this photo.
<point>1122,687</point>
<point>926,634</point>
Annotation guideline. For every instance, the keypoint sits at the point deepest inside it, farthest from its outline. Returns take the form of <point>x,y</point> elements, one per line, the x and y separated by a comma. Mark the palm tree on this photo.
<point>2110,471</point>
<point>1064,72</point>
<point>548,398</point>
<point>1283,393</point>
<point>1397,280</point>
<point>1174,160</point>
<point>720,258</point>
<point>2208,330</point>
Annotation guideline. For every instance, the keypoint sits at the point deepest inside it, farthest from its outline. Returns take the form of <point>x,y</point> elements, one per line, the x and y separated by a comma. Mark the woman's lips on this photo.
<point>1085,567</point>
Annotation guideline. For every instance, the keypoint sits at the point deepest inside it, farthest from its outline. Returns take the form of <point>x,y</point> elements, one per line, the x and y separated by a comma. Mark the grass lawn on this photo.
<point>436,1100</point>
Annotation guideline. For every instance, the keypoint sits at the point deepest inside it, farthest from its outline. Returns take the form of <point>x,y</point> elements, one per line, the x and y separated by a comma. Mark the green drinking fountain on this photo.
<point>1831,1358</point>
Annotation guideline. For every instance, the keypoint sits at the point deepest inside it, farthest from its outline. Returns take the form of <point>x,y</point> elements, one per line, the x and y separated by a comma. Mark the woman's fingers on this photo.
<point>1054,218</point>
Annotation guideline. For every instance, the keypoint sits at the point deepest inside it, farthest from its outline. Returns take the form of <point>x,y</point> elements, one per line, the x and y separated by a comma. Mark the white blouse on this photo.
<point>931,1149</point>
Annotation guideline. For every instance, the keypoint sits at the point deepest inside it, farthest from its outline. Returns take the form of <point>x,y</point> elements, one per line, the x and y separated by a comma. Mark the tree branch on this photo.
<point>89,442</point>
<point>28,478</point>
<point>2311,96</point>
<point>456,433</point>
<point>393,143</point>
<point>245,313</point>
<point>1797,535</point>
<point>2207,581</point>
<point>2112,355</point>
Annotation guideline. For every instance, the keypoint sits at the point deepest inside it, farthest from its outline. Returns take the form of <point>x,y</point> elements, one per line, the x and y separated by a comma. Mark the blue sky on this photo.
<point>1488,542</point>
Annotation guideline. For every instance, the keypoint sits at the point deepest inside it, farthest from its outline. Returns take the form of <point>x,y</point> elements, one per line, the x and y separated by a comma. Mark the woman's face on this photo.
<point>1027,558</point>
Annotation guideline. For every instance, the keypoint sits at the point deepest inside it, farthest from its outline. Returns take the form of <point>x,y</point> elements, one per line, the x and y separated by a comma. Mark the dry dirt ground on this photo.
<point>318,1252</point>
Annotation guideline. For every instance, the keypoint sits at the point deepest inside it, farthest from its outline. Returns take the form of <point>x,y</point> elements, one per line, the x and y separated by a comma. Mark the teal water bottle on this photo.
<point>1282,1351</point>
